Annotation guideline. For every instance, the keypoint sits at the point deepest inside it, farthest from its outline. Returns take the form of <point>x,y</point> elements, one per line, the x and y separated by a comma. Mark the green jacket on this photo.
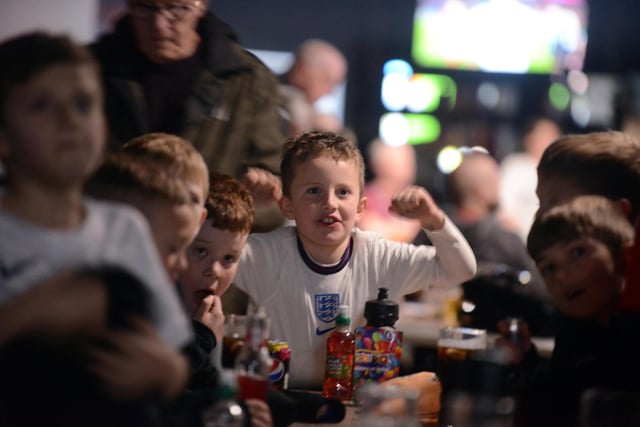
<point>230,109</point>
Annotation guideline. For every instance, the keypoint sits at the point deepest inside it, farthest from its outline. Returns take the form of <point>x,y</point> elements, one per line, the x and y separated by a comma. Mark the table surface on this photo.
<point>348,421</point>
<point>423,331</point>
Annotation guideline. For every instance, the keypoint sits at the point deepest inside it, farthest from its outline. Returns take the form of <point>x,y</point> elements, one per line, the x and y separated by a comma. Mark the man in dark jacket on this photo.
<point>175,67</point>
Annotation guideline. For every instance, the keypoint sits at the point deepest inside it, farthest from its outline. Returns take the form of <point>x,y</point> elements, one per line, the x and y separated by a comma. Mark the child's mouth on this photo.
<point>328,221</point>
<point>203,294</point>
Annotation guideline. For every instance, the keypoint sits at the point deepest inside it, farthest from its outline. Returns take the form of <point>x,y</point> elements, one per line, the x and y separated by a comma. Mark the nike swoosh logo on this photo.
<point>324,331</point>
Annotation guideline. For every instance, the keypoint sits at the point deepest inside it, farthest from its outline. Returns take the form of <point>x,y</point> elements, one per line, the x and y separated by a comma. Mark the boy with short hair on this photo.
<point>161,191</point>
<point>578,247</point>
<point>602,163</point>
<point>212,260</point>
<point>214,253</point>
<point>162,196</point>
<point>301,274</point>
<point>178,155</point>
<point>52,136</point>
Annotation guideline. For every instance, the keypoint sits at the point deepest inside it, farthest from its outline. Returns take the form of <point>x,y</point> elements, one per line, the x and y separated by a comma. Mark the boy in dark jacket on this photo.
<point>578,248</point>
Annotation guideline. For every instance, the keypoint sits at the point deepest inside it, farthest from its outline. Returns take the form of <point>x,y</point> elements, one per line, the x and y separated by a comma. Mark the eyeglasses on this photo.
<point>172,12</point>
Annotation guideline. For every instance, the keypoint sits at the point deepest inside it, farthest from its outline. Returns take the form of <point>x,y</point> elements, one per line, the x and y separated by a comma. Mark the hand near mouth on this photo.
<point>209,313</point>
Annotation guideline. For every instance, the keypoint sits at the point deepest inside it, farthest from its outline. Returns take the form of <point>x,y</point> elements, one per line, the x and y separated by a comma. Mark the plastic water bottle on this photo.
<point>225,411</point>
<point>379,343</point>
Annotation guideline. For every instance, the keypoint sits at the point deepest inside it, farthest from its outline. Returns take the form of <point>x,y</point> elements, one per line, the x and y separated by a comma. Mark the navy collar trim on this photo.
<point>321,269</point>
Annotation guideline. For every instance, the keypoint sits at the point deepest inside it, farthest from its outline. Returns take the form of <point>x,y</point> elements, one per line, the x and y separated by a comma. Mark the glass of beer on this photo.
<point>457,347</point>
<point>235,330</point>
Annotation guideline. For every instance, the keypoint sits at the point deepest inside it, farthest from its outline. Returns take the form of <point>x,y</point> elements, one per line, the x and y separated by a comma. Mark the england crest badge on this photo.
<point>326,306</point>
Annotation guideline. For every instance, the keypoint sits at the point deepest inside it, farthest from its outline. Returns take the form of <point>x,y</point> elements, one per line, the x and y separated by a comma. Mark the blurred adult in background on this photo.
<point>318,69</point>
<point>174,67</point>
<point>474,189</point>
<point>394,168</point>
<point>508,282</point>
<point>518,200</point>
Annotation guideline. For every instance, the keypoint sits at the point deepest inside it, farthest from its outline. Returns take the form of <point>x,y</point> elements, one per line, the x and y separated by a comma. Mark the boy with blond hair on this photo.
<point>301,274</point>
<point>179,156</point>
<point>161,191</point>
<point>161,196</point>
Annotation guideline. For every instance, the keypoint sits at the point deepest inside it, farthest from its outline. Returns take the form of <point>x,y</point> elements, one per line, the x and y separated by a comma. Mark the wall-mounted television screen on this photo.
<point>502,36</point>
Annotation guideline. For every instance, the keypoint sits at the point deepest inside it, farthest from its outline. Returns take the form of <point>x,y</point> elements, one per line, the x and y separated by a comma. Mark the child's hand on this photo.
<point>264,186</point>
<point>260,413</point>
<point>416,203</point>
<point>65,305</point>
<point>137,363</point>
<point>517,345</point>
<point>209,313</point>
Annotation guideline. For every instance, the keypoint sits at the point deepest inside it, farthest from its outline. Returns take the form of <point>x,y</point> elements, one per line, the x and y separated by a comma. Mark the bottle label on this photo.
<point>281,355</point>
<point>377,355</point>
<point>338,367</point>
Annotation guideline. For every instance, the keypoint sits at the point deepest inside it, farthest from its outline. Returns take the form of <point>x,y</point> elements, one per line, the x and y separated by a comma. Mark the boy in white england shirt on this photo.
<point>301,274</point>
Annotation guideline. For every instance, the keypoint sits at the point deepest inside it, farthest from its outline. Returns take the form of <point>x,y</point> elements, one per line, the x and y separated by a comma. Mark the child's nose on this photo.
<point>563,275</point>
<point>68,115</point>
<point>213,270</point>
<point>330,201</point>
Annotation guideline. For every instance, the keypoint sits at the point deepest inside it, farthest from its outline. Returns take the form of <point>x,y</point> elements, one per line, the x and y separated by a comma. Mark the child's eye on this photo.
<point>343,192</point>
<point>40,105</point>
<point>84,103</point>
<point>199,251</point>
<point>547,269</point>
<point>229,259</point>
<point>313,190</point>
<point>578,251</point>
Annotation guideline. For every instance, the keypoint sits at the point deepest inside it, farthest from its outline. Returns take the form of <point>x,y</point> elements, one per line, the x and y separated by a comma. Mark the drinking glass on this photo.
<point>456,348</point>
<point>234,333</point>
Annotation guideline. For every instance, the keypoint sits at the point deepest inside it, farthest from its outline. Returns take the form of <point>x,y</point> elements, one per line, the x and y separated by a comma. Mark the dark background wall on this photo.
<point>369,32</point>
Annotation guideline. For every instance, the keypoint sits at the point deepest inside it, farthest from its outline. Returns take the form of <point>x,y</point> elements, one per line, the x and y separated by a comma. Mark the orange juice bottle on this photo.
<point>338,382</point>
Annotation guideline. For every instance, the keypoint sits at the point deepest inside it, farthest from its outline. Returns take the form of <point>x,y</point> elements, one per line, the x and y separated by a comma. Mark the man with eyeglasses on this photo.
<point>172,66</point>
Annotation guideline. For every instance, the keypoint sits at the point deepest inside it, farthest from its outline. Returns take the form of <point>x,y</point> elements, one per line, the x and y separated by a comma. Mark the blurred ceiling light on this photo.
<point>559,96</point>
<point>448,159</point>
<point>488,95</point>
<point>399,129</point>
<point>580,112</point>
<point>578,82</point>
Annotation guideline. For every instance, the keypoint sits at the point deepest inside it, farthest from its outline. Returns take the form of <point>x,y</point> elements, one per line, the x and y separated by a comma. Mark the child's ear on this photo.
<point>285,207</point>
<point>362,207</point>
